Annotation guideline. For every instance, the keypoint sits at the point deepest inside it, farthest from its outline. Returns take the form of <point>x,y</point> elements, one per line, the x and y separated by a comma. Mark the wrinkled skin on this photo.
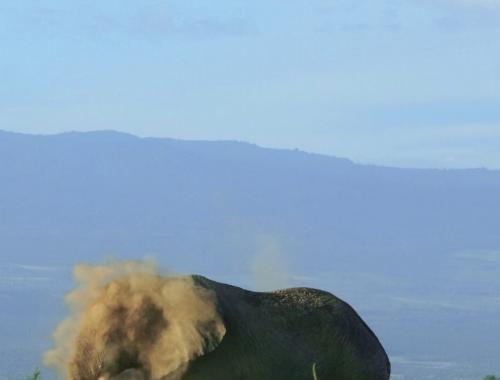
<point>280,335</point>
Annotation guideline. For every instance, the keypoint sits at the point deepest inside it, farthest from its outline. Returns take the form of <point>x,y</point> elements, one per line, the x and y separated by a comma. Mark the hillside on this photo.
<point>78,194</point>
<point>416,251</point>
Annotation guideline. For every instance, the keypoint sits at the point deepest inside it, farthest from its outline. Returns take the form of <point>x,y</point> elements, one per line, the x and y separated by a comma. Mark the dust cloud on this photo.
<point>270,266</point>
<point>128,321</point>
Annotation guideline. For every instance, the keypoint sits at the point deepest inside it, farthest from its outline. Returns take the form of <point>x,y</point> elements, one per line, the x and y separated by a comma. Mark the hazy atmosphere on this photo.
<point>349,146</point>
<point>409,83</point>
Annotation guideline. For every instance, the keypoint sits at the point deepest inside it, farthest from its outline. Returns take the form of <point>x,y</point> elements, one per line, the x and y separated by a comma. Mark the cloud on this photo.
<point>27,276</point>
<point>462,15</point>
<point>480,3</point>
<point>426,304</point>
<point>481,255</point>
<point>150,21</point>
<point>159,20</point>
<point>432,364</point>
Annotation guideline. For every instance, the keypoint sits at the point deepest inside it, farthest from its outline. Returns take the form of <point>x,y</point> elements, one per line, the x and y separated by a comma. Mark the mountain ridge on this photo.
<point>108,184</point>
<point>124,136</point>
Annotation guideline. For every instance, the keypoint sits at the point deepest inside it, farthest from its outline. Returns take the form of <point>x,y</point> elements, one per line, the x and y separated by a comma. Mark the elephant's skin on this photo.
<point>280,335</point>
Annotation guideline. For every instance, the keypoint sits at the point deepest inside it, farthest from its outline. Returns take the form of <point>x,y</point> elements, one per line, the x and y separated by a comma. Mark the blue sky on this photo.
<point>394,82</point>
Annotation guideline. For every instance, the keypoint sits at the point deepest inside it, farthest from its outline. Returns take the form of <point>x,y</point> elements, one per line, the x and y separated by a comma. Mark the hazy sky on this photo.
<point>396,82</point>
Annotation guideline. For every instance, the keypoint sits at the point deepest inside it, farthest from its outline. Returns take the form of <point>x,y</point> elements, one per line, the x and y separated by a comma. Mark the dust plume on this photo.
<point>126,318</point>
<point>269,266</point>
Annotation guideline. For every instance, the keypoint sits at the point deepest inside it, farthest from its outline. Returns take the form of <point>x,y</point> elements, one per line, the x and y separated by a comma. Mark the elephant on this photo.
<point>226,333</point>
<point>282,334</point>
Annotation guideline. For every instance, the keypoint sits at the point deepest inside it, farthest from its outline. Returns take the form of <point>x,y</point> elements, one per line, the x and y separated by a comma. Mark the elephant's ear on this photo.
<point>209,324</point>
<point>212,332</point>
<point>194,327</point>
<point>209,334</point>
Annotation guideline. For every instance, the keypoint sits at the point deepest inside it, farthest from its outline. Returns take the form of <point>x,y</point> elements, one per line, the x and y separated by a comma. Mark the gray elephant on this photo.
<point>280,335</point>
<point>198,329</point>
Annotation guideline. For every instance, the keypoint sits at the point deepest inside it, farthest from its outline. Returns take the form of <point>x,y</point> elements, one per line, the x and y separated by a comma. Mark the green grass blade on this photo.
<point>315,377</point>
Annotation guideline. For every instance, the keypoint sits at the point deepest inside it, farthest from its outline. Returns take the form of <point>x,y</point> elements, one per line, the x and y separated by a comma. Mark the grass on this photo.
<point>34,376</point>
<point>315,377</point>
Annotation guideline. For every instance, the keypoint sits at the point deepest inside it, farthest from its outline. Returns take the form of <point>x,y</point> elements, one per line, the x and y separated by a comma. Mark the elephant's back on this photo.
<point>335,330</point>
<point>280,335</point>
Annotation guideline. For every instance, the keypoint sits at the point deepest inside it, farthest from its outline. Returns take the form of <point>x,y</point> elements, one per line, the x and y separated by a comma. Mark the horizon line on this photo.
<point>243,142</point>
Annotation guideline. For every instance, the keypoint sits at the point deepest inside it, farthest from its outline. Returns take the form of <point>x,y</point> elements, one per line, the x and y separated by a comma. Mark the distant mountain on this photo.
<point>75,195</point>
<point>416,251</point>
